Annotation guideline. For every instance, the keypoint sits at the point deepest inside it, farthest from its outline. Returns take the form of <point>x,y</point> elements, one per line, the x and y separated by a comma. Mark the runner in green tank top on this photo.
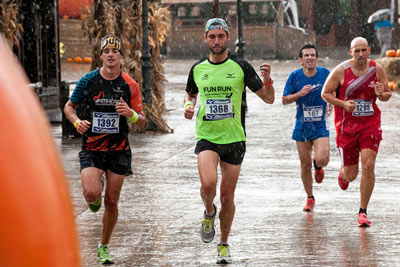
<point>220,80</point>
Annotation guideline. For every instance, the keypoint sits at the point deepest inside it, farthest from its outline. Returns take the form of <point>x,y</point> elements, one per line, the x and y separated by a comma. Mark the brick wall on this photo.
<point>261,41</point>
<point>73,38</point>
<point>290,40</point>
<point>267,41</point>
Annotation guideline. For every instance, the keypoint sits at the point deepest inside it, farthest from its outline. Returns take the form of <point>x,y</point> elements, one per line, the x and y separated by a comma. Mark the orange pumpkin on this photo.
<point>393,86</point>
<point>69,60</point>
<point>391,53</point>
<point>65,17</point>
<point>78,60</point>
<point>74,8</point>
<point>87,60</point>
<point>398,53</point>
<point>37,213</point>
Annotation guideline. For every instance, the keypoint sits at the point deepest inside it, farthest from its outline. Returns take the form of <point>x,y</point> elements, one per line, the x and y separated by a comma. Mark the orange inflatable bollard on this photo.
<point>37,224</point>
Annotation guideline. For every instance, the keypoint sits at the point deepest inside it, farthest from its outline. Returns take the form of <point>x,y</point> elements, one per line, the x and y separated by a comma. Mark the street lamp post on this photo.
<point>239,42</point>
<point>146,66</point>
<point>215,9</point>
<point>240,52</point>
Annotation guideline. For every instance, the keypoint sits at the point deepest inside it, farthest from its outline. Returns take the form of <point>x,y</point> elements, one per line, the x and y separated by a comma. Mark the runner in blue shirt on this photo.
<point>311,129</point>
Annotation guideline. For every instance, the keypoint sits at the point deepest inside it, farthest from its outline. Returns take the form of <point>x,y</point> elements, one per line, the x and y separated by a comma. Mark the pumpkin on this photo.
<point>398,53</point>
<point>69,60</point>
<point>391,53</point>
<point>73,8</point>
<point>65,17</point>
<point>78,60</point>
<point>393,86</point>
<point>87,60</point>
<point>43,219</point>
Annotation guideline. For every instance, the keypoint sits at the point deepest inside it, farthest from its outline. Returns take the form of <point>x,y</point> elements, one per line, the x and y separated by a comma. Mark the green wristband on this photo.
<point>134,117</point>
<point>188,103</point>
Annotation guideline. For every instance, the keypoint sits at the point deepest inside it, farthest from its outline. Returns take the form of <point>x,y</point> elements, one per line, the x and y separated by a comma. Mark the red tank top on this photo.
<point>361,90</point>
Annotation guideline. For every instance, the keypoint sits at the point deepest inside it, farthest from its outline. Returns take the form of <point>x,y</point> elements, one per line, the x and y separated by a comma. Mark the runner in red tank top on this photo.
<point>361,90</point>
<point>353,87</point>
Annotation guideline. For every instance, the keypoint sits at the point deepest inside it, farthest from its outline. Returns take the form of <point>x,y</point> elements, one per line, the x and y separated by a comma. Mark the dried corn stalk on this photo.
<point>9,26</point>
<point>124,19</point>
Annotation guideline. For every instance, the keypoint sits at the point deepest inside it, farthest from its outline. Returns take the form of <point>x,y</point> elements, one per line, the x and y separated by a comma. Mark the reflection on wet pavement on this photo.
<point>161,210</point>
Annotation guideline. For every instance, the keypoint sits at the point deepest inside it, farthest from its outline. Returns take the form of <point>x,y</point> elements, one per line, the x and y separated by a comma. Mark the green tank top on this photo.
<point>220,87</point>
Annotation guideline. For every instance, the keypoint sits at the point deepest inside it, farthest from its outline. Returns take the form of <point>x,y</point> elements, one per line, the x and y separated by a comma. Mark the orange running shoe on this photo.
<point>342,182</point>
<point>363,220</point>
<point>319,175</point>
<point>309,205</point>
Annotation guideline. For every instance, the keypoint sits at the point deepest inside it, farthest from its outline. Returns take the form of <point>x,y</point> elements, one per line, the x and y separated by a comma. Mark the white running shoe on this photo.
<point>224,255</point>
<point>207,230</point>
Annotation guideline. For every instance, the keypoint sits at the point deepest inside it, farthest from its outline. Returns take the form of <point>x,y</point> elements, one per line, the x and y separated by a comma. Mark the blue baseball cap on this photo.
<point>216,23</point>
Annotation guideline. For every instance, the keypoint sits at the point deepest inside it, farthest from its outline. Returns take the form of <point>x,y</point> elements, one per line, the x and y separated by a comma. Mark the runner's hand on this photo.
<point>329,111</point>
<point>123,109</point>
<point>379,89</point>
<point>83,126</point>
<point>349,105</point>
<point>305,90</point>
<point>189,112</point>
<point>265,71</point>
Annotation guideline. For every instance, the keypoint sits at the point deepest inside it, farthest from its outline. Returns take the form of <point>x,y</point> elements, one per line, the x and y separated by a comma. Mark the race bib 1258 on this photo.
<point>363,108</point>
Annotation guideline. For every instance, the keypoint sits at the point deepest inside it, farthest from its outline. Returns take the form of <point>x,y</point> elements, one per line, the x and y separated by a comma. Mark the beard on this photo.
<point>361,61</point>
<point>217,52</point>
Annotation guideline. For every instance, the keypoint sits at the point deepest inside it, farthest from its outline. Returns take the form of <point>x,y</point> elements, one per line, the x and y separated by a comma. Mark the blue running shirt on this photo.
<point>311,109</point>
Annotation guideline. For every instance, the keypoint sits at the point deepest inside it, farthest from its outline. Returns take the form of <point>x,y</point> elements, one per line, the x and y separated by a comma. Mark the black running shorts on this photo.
<point>118,162</point>
<point>232,153</point>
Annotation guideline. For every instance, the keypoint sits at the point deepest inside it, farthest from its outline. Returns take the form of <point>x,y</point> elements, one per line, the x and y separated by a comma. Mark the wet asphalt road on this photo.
<point>161,209</point>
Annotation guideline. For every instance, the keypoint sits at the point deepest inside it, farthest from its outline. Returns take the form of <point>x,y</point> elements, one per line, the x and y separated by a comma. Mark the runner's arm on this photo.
<point>288,99</point>
<point>141,123</point>
<point>137,118</point>
<point>333,82</point>
<point>189,104</point>
<point>382,89</point>
<point>70,113</point>
<point>267,92</point>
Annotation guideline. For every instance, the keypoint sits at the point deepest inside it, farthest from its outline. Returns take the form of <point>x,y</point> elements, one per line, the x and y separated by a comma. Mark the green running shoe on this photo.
<point>94,207</point>
<point>104,255</point>
<point>224,255</point>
